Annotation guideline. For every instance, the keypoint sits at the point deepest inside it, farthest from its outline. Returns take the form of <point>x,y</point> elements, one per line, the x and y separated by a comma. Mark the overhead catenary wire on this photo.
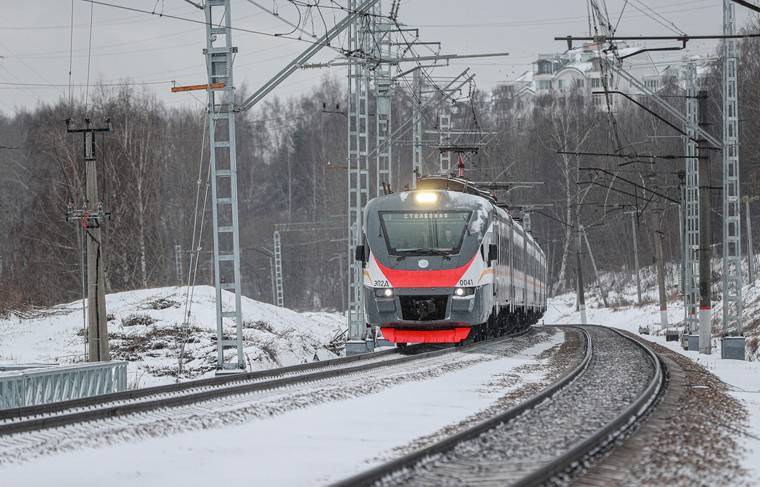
<point>238,29</point>
<point>89,59</point>
<point>195,248</point>
<point>71,55</point>
<point>195,244</point>
<point>660,19</point>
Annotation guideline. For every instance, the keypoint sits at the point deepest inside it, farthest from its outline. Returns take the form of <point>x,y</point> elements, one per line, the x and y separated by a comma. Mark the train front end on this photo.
<point>426,272</point>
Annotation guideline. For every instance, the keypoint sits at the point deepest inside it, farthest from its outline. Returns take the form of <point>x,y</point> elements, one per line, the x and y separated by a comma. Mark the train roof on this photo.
<point>450,183</point>
<point>458,193</point>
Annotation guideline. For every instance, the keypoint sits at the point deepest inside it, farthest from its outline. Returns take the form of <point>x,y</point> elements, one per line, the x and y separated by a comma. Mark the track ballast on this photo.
<point>549,437</point>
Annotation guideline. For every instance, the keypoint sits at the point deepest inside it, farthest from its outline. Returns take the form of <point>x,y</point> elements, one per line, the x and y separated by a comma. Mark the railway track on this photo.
<point>550,437</point>
<point>122,404</point>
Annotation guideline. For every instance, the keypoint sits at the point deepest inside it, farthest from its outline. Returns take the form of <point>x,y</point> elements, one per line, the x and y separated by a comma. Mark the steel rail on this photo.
<point>588,447</point>
<point>613,430</point>
<point>57,407</point>
<point>118,410</point>
<point>376,474</point>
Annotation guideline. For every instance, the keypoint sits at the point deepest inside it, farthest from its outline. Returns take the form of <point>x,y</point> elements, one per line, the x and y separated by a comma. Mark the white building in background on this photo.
<point>578,70</point>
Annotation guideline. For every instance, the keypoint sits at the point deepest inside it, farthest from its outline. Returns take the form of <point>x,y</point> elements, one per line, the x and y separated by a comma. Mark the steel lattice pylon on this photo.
<point>358,167</point>
<point>277,250</point>
<point>221,117</point>
<point>383,83</point>
<point>732,253</point>
<point>417,125</point>
<point>691,203</point>
<point>444,139</point>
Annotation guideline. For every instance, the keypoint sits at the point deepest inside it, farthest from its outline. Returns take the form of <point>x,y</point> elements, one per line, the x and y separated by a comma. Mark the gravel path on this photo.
<point>246,407</point>
<point>619,371</point>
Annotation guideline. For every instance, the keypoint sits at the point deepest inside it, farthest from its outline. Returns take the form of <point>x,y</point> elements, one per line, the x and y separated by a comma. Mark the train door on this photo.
<point>506,270</point>
<point>525,268</point>
<point>512,292</point>
<point>495,267</point>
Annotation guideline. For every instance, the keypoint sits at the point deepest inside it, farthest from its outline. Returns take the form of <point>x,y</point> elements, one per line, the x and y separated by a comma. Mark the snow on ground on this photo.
<point>309,446</point>
<point>743,377</point>
<point>145,328</point>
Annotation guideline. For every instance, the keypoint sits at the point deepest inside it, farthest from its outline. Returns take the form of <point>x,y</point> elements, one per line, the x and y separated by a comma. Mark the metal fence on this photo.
<point>52,384</point>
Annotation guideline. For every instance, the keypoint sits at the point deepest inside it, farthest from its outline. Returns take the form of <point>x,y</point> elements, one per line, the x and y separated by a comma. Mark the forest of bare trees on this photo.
<point>291,160</point>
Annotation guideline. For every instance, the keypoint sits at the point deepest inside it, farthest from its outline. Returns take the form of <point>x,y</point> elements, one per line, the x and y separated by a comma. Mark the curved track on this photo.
<point>154,398</point>
<point>552,435</point>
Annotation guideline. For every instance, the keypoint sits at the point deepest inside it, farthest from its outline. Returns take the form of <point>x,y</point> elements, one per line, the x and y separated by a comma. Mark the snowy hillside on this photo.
<point>622,310</point>
<point>145,328</point>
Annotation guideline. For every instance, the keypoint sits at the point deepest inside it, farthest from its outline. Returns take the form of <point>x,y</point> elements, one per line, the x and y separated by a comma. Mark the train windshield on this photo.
<point>424,232</point>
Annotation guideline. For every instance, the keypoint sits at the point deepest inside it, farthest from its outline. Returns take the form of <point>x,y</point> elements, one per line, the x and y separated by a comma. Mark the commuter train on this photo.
<point>444,264</point>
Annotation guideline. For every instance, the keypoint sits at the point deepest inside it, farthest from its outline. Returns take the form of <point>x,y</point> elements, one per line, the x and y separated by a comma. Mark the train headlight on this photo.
<point>386,292</point>
<point>464,291</point>
<point>425,197</point>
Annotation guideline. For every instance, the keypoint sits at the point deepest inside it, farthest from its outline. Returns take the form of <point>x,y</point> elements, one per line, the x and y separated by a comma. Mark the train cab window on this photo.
<point>423,232</point>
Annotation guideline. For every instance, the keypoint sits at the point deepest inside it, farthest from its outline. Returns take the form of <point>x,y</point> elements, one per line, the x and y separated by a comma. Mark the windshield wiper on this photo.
<point>442,253</point>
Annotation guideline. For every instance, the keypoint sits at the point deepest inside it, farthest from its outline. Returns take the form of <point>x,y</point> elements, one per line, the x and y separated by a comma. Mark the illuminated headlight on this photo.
<point>384,292</point>
<point>425,197</point>
<point>464,291</point>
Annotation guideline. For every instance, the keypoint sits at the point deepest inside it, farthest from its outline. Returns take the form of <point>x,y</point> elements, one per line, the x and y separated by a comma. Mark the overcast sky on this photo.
<point>34,41</point>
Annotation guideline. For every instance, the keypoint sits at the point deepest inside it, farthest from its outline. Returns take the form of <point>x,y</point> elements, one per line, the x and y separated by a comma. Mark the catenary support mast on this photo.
<point>444,139</point>
<point>382,43</point>
<point>691,203</point>
<point>223,159</point>
<point>358,174</point>
<point>278,284</point>
<point>732,269</point>
<point>416,125</point>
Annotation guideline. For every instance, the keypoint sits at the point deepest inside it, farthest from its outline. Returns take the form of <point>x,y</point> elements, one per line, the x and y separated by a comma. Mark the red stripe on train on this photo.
<point>402,278</point>
<point>453,335</point>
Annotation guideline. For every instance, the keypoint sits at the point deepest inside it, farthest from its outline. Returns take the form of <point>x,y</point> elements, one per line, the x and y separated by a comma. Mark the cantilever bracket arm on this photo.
<point>750,6</point>
<point>654,49</point>
<point>307,54</point>
<point>662,103</point>
<point>646,109</point>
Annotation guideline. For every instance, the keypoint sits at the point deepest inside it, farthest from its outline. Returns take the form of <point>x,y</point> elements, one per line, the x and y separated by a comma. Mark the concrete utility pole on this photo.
<point>602,290</point>
<point>581,297</point>
<point>90,218</point>
<point>658,238</point>
<point>636,257</point>
<point>178,263</point>
<point>705,250</point>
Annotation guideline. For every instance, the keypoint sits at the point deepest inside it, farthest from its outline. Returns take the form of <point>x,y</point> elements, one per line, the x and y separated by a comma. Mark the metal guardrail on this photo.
<point>18,367</point>
<point>36,386</point>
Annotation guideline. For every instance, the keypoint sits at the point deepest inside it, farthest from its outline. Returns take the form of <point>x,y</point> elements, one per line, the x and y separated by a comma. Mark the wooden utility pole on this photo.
<point>90,217</point>
<point>705,250</point>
